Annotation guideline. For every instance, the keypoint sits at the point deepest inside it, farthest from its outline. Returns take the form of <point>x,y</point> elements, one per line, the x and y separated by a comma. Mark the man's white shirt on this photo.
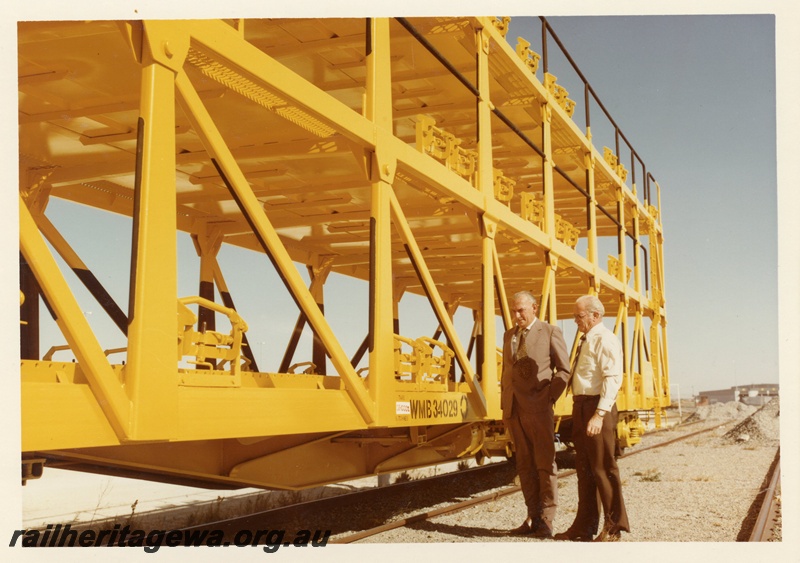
<point>599,367</point>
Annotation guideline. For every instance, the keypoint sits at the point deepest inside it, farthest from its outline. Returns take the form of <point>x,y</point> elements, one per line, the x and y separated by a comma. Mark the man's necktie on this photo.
<point>575,364</point>
<point>522,351</point>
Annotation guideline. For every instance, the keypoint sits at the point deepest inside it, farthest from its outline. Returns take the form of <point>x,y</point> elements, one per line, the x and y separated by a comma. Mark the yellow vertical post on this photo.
<point>623,273</point>
<point>639,340</point>
<point>485,171</point>
<point>657,280</point>
<point>655,350</point>
<point>641,355</point>
<point>660,386</point>
<point>591,217</point>
<point>549,204</point>
<point>547,173</point>
<point>658,342</point>
<point>150,372</point>
<point>488,367</point>
<point>621,233</point>
<point>378,109</point>
<point>488,337</point>
<point>623,261</point>
<point>381,306</point>
<point>637,262</point>
<point>378,100</point>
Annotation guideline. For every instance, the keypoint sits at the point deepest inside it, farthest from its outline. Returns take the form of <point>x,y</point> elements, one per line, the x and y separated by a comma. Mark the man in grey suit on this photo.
<point>535,373</point>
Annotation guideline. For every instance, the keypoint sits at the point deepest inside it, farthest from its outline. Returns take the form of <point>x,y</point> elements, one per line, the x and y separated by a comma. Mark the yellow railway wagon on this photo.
<point>413,157</point>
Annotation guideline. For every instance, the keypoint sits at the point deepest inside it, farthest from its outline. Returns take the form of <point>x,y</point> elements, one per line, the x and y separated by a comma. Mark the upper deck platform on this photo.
<point>297,128</point>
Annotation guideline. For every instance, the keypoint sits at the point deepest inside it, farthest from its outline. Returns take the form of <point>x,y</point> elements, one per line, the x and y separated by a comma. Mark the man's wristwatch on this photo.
<point>600,413</point>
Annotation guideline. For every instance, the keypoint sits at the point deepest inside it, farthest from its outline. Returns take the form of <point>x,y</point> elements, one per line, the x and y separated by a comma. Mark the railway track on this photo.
<point>492,496</point>
<point>418,510</point>
<point>337,515</point>
<point>769,515</point>
<point>397,501</point>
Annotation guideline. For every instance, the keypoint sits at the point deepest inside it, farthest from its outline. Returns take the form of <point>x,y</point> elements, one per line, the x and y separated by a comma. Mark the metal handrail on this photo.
<point>589,91</point>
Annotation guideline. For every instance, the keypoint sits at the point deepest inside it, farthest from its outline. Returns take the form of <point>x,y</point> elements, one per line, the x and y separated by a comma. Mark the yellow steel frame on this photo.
<point>248,427</point>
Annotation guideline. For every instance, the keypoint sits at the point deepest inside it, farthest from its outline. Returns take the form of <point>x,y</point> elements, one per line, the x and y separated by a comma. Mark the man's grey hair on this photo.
<point>592,304</point>
<point>525,295</point>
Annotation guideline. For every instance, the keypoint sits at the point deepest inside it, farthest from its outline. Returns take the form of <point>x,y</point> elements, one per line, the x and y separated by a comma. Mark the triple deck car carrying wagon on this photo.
<point>410,156</point>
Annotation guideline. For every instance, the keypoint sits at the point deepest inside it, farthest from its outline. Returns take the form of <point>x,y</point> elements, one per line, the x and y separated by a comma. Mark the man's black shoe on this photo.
<point>608,536</point>
<point>522,530</point>
<point>572,535</point>
<point>542,533</point>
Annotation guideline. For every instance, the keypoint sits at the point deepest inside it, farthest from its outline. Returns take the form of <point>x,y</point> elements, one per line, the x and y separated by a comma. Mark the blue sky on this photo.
<point>698,105</point>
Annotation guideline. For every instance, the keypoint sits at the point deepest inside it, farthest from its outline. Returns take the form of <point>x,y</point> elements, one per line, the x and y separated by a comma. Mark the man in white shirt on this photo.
<point>596,379</point>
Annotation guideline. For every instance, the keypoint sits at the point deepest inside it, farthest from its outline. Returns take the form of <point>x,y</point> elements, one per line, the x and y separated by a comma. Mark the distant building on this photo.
<point>755,394</point>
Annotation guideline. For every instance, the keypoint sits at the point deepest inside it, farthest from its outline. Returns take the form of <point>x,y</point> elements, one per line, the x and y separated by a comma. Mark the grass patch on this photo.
<point>650,475</point>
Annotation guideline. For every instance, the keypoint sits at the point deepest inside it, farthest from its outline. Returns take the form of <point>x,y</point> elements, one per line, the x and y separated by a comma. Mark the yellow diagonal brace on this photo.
<point>663,370</point>
<point>265,232</point>
<point>59,243</point>
<point>501,287</point>
<point>70,319</point>
<point>207,242</point>
<point>477,397</point>
<point>621,330</point>
<point>548,311</point>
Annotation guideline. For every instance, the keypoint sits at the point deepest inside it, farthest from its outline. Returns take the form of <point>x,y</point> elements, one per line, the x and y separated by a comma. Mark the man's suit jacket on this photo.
<point>538,380</point>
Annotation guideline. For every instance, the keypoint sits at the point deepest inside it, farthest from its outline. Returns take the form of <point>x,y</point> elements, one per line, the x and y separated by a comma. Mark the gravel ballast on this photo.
<point>702,489</point>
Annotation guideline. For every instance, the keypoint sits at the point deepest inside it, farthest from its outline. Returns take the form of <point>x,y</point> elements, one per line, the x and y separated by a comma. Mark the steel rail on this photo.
<point>430,514</point>
<point>764,528</point>
<point>348,498</point>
